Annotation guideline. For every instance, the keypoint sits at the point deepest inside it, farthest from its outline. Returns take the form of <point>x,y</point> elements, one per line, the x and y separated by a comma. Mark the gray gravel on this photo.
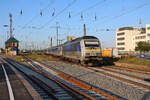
<point>125,90</point>
<point>131,73</point>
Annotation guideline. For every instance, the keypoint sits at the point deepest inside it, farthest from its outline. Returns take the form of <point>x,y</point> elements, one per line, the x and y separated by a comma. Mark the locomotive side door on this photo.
<point>82,49</point>
<point>61,50</point>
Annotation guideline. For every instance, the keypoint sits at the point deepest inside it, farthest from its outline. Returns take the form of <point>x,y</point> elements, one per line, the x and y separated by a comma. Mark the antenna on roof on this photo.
<point>140,22</point>
<point>84,30</point>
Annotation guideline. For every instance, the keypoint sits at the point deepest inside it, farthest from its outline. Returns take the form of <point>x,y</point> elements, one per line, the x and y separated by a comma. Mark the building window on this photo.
<point>140,37</point>
<point>118,34</point>
<point>148,34</point>
<point>121,38</point>
<point>142,32</point>
<point>148,41</point>
<point>148,28</point>
<point>122,43</point>
<point>121,48</point>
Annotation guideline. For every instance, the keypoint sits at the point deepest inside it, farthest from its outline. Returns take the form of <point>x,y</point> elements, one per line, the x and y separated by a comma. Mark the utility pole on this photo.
<point>51,42</point>
<point>57,27</point>
<point>60,41</point>
<point>7,35</point>
<point>57,32</point>
<point>10,15</point>
<point>84,30</point>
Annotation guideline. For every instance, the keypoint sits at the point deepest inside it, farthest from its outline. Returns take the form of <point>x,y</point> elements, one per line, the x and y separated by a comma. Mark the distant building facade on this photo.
<point>70,38</point>
<point>128,37</point>
<point>11,46</point>
<point>148,32</point>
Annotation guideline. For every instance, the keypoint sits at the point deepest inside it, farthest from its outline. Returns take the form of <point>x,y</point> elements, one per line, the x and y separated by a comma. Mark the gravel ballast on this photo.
<point>123,89</point>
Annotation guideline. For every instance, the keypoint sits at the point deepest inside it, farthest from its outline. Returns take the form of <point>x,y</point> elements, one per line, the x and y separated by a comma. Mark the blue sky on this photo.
<point>31,29</point>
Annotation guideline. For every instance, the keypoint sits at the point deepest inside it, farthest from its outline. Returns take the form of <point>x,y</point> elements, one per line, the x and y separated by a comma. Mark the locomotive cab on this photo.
<point>91,50</point>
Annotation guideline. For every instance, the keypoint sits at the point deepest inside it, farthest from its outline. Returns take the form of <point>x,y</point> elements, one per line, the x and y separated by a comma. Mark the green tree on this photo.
<point>142,47</point>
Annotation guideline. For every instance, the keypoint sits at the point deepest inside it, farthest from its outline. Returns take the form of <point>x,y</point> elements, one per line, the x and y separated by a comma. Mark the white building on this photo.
<point>148,32</point>
<point>128,37</point>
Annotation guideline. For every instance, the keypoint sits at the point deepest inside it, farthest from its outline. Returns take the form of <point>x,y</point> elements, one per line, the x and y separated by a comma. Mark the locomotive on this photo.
<point>84,50</point>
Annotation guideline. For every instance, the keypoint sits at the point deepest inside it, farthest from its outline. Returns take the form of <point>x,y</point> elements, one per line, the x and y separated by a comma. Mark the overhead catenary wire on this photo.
<point>86,9</point>
<point>114,17</point>
<point>127,11</point>
<point>53,14</point>
<point>90,7</point>
<point>37,15</point>
<point>122,13</point>
<point>69,5</point>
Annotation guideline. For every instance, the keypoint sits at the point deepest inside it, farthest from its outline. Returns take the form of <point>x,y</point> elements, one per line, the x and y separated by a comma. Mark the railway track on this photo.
<point>79,83</point>
<point>63,90</point>
<point>122,73</point>
<point>111,73</point>
<point>91,88</point>
<point>11,86</point>
<point>136,83</point>
<point>131,83</point>
<point>130,70</point>
<point>44,90</point>
<point>102,69</point>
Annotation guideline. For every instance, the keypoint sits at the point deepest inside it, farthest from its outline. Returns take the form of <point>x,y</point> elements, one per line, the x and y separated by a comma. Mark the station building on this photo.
<point>128,37</point>
<point>11,46</point>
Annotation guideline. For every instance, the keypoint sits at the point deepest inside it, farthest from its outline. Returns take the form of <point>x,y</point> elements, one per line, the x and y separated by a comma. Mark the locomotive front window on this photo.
<point>91,44</point>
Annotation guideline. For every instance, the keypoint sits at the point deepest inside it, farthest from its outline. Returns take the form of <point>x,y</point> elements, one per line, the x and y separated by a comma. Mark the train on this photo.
<point>84,50</point>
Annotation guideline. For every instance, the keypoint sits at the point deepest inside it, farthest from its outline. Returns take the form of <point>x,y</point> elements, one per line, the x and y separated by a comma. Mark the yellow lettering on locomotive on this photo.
<point>92,49</point>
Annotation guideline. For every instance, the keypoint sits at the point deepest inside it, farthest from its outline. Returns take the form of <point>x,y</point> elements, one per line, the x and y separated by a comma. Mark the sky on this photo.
<point>34,30</point>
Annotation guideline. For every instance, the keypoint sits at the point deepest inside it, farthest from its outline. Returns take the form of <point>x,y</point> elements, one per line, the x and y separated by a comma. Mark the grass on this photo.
<point>41,57</point>
<point>18,58</point>
<point>133,60</point>
<point>145,63</point>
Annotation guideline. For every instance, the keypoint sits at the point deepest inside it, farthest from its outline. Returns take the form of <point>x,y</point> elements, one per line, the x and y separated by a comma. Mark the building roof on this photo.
<point>131,28</point>
<point>11,39</point>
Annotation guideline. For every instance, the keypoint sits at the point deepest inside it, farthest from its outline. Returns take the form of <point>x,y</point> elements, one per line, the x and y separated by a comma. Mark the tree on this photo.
<point>142,47</point>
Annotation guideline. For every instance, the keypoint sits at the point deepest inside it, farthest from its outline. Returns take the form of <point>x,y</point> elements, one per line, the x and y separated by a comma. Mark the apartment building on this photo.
<point>128,37</point>
<point>148,32</point>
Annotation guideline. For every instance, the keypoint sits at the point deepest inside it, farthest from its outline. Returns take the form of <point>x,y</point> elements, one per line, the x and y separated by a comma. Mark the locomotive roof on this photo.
<point>88,37</point>
<point>80,38</point>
